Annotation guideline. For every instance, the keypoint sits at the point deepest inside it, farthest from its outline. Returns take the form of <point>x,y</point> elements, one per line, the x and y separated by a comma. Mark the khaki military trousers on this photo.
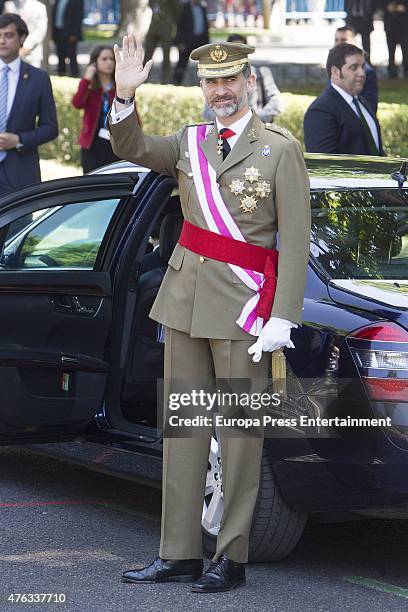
<point>185,460</point>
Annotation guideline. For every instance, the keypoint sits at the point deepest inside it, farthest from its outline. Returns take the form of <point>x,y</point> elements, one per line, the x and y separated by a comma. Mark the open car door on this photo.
<point>56,304</point>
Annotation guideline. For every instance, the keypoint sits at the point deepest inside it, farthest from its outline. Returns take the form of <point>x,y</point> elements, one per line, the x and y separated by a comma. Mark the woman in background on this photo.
<point>95,95</point>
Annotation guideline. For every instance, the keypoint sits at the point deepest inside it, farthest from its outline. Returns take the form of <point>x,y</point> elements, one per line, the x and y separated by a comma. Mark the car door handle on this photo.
<point>81,309</point>
<point>61,303</point>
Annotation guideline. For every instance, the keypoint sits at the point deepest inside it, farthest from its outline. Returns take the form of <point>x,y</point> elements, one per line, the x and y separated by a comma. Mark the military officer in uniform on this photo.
<point>240,181</point>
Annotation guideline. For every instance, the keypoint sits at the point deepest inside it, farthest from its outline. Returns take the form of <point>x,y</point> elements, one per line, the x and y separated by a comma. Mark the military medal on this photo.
<point>262,189</point>
<point>237,187</point>
<point>248,204</point>
<point>219,144</point>
<point>252,174</point>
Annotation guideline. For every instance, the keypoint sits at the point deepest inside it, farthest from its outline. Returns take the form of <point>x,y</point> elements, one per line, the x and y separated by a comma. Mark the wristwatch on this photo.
<point>19,145</point>
<point>124,100</point>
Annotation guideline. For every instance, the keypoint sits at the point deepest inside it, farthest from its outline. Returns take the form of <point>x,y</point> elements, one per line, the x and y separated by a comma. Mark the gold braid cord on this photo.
<point>279,372</point>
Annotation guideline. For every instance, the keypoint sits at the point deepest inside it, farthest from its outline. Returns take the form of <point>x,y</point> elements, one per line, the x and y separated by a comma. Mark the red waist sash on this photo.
<point>238,253</point>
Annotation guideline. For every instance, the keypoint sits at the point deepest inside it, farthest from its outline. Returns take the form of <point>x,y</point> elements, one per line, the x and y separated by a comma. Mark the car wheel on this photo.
<point>276,527</point>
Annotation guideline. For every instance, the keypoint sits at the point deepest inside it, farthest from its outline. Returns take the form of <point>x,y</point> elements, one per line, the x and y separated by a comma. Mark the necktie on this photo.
<point>223,144</point>
<point>372,147</point>
<point>3,104</point>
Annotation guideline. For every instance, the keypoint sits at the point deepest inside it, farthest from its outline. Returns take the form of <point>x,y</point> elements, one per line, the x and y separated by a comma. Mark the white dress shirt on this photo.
<point>368,117</point>
<point>238,127</point>
<point>13,76</point>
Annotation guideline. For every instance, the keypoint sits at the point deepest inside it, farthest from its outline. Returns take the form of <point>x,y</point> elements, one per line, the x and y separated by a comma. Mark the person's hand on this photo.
<point>8,141</point>
<point>274,335</point>
<point>90,72</point>
<point>130,73</point>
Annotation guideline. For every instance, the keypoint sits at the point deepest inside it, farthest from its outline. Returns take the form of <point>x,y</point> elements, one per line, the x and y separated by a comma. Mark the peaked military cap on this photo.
<point>221,59</point>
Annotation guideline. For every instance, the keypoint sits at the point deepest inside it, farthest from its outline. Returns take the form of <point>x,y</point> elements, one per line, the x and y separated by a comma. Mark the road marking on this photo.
<point>142,515</point>
<point>61,558</point>
<point>378,586</point>
<point>67,502</point>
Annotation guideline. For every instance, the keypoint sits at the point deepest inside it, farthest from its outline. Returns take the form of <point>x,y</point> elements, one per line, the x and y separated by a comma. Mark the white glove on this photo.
<point>274,335</point>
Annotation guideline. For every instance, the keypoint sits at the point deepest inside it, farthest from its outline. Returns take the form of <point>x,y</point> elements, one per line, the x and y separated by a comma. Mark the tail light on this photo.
<point>380,352</point>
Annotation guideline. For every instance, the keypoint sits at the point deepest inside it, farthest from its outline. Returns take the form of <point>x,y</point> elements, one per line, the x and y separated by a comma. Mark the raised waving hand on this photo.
<point>130,72</point>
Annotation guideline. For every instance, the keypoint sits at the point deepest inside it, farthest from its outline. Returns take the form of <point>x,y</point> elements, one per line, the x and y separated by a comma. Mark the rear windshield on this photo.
<point>361,233</point>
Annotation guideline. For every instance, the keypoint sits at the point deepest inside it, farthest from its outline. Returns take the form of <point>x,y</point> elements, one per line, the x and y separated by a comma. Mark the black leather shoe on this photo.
<point>162,570</point>
<point>223,575</point>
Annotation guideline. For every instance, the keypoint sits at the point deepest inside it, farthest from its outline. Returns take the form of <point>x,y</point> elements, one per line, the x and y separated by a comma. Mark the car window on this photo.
<point>361,234</point>
<point>63,237</point>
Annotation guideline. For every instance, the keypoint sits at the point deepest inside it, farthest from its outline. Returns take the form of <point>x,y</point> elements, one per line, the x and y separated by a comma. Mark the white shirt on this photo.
<point>238,127</point>
<point>13,76</point>
<point>368,117</point>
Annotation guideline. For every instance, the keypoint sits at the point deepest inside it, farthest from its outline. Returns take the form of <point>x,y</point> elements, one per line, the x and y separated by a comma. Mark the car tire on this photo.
<point>276,527</point>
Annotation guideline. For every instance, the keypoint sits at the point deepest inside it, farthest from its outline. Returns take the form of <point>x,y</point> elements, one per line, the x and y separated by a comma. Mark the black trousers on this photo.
<point>363,27</point>
<point>98,155</point>
<point>66,49</point>
<point>184,54</point>
<point>393,39</point>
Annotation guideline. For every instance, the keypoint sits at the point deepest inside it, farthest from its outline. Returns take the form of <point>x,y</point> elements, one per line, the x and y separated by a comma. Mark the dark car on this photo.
<point>80,358</point>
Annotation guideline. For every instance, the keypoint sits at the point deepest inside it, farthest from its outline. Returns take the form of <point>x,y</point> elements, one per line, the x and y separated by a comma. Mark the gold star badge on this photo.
<point>248,204</point>
<point>262,189</point>
<point>252,174</point>
<point>237,187</point>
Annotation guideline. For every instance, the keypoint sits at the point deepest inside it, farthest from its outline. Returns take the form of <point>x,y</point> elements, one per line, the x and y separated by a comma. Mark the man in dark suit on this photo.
<point>192,32</point>
<point>28,116</point>
<point>340,120</point>
<point>346,34</point>
<point>67,18</point>
<point>360,17</point>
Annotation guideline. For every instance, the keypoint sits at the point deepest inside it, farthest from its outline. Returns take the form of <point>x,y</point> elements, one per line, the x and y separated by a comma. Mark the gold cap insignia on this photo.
<point>218,54</point>
<point>221,59</point>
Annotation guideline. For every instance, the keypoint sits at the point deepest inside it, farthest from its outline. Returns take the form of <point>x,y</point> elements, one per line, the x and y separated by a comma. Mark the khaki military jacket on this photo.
<point>205,298</point>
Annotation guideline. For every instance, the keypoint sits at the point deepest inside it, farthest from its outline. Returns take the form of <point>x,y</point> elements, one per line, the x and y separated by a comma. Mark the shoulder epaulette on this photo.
<point>280,130</point>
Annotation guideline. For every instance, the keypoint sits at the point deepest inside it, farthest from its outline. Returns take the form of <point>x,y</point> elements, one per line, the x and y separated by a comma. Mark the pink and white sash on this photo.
<point>220,221</point>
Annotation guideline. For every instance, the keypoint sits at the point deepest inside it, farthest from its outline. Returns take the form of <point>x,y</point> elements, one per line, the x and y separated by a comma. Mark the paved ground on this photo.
<point>67,530</point>
<point>51,169</point>
<point>298,44</point>
<point>298,53</point>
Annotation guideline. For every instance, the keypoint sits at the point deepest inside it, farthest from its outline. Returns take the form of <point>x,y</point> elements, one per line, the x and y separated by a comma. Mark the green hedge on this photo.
<point>164,108</point>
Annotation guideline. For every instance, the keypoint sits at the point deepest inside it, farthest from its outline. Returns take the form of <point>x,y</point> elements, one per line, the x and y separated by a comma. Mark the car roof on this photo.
<point>325,171</point>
